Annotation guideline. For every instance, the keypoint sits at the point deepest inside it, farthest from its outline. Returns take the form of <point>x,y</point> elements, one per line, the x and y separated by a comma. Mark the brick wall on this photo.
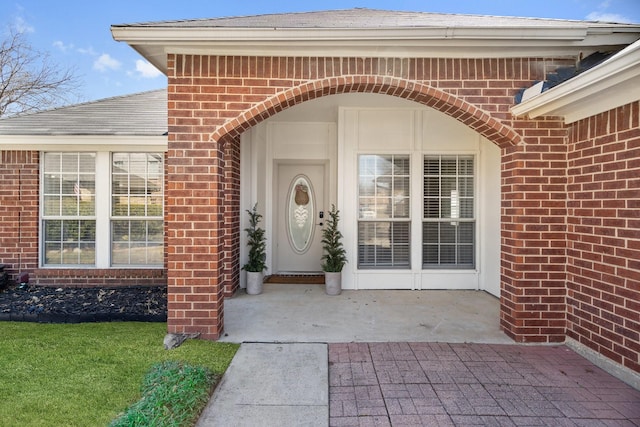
<point>19,210</point>
<point>19,180</point>
<point>212,100</point>
<point>603,236</point>
<point>533,234</point>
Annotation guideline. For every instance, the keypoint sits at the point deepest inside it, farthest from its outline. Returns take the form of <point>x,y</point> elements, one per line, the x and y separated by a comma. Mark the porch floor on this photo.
<point>304,313</point>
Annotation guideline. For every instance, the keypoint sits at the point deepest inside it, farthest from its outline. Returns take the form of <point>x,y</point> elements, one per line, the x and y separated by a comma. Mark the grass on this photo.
<point>173,395</point>
<point>86,374</point>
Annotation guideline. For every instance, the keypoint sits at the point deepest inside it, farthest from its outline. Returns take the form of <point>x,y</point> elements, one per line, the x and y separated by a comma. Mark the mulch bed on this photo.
<point>79,305</point>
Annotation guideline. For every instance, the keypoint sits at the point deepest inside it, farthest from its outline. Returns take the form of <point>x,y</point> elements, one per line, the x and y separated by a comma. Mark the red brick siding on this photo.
<point>95,277</point>
<point>212,100</point>
<point>603,236</point>
<point>533,234</point>
<point>19,222</point>
<point>19,201</point>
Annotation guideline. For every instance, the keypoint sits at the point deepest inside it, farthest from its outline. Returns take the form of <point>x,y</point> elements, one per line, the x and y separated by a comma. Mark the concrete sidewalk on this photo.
<point>414,384</point>
<point>272,385</point>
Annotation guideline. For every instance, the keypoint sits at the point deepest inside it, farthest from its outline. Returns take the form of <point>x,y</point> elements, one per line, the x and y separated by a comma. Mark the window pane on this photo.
<point>136,197</point>
<point>52,183</point>
<point>449,201</point>
<point>383,187</point>
<point>70,162</point>
<point>383,244</point>
<point>68,184</point>
<point>69,242</point>
<point>384,194</point>
<point>137,242</point>
<point>449,245</point>
<point>155,254</point>
<point>466,208</point>
<point>53,231</point>
<point>448,165</point>
<point>51,205</point>
<point>69,206</point>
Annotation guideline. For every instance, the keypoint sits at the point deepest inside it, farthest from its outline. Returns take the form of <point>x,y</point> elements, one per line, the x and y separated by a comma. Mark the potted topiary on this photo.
<point>334,257</point>
<point>256,241</point>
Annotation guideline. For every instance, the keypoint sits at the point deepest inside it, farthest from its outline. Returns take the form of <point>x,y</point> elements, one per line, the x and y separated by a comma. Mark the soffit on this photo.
<point>375,33</point>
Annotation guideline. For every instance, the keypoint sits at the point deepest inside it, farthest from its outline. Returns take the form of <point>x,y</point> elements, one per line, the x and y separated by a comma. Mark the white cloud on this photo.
<point>146,70</point>
<point>22,26</point>
<point>105,63</point>
<point>62,47</point>
<point>608,17</point>
<point>87,51</point>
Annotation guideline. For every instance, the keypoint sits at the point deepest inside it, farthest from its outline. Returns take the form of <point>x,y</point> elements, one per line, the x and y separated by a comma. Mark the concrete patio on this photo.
<point>304,313</point>
<point>400,358</point>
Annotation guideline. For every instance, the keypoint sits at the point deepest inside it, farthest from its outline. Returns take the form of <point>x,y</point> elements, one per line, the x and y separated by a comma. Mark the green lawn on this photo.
<point>85,374</point>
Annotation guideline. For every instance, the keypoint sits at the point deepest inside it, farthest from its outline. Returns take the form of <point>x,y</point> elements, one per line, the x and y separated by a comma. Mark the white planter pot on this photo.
<point>333,283</point>
<point>254,282</point>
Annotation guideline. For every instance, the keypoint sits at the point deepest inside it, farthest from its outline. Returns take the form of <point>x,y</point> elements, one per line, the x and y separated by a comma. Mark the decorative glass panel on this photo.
<point>300,214</point>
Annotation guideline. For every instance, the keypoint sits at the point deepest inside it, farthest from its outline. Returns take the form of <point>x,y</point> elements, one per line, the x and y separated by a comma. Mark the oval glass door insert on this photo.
<point>300,214</point>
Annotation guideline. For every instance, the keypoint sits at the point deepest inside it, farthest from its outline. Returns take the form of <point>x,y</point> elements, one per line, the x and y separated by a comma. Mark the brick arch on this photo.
<point>472,116</point>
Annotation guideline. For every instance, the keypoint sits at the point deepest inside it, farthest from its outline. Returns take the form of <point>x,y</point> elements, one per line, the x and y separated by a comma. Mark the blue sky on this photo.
<point>76,33</point>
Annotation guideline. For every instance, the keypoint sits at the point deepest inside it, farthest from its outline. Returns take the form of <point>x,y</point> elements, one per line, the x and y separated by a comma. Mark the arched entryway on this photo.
<point>217,165</point>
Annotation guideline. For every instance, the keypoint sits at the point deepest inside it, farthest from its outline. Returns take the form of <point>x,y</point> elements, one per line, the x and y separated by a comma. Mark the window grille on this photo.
<point>448,228</point>
<point>384,220</point>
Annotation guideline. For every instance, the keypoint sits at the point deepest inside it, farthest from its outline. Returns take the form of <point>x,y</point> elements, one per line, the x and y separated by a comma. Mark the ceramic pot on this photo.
<point>254,282</point>
<point>333,283</point>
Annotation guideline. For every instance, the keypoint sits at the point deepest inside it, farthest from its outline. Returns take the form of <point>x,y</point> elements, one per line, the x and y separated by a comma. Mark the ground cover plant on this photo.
<point>87,374</point>
<point>173,395</point>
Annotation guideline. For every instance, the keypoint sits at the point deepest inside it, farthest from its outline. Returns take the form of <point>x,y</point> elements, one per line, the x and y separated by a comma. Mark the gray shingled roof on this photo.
<point>365,18</point>
<point>141,114</point>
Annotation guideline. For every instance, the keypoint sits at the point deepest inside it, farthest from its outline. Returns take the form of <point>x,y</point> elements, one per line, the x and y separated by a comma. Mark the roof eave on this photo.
<point>613,83</point>
<point>83,142</point>
<point>154,43</point>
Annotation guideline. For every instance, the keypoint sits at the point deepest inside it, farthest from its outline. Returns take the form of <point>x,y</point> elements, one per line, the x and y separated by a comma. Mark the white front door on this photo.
<point>299,208</point>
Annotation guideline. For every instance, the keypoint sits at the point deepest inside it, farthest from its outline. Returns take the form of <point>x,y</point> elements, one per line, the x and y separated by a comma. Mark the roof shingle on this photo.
<point>141,114</point>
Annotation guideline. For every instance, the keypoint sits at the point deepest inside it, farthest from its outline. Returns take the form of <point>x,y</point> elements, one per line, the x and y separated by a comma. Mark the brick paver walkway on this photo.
<point>433,384</point>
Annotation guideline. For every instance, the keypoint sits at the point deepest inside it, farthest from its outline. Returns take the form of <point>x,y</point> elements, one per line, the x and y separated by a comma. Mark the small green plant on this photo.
<point>257,243</point>
<point>173,394</point>
<point>335,257</point>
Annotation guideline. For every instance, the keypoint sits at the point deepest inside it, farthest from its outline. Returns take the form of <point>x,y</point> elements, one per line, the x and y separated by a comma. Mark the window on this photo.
<point>68,208</point>
<point>448,229</point>
<point>136,209</point>
<point>83,226</point>
<point>384,211</point>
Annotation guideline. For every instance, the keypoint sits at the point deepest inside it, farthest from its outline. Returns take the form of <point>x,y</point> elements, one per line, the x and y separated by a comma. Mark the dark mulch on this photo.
<point>75,305</point>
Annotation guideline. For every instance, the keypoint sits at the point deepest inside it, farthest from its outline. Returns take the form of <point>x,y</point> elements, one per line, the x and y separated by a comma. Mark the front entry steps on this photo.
<point>297,279</point>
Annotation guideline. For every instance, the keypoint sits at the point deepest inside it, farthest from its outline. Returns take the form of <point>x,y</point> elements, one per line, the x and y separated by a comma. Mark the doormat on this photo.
<point>298,279</point>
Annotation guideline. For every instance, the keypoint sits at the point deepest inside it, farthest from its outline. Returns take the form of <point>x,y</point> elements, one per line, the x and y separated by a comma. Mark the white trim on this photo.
<point>102,215</point>
<point>613,83</point>
<point>154,43</point>
<point>83,143</point>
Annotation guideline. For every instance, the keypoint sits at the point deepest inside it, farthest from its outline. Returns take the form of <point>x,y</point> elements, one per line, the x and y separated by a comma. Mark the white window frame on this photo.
<point>452,219</point>
<point>61,216</point>
<point>392,219</point>
<point>129,217</point>
<point>102,205</point>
